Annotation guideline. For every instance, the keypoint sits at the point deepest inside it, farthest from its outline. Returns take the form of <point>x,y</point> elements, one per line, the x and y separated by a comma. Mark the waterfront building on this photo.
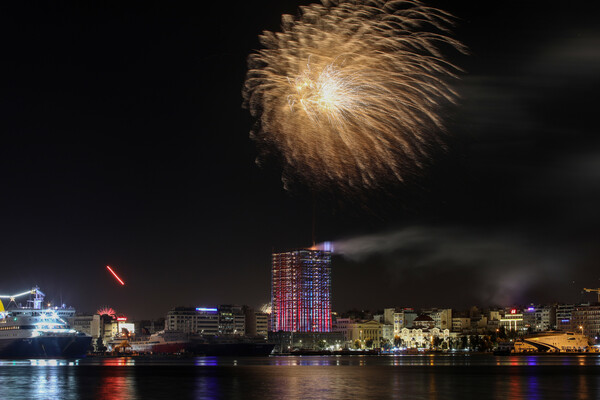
<point>480,325</point>
<point>256,322</point>
<point>387,333</point>
<point>422,338</point>
<point>493,320</point>
<point>442,317</point>
<point>364,334</point>
<point>564,314</point>
<point>461,324</point>
<point>494,315</point>
<point>512,321</point>
<point>262,323</point>
<point>301,291</point>
<point>388,315</point>
<point>399,318</point>
<point>424,321</point>
<point>538,318</point>
<point>200,320</point>
<point>341,326</point>
<point>232,320</point>
<point>148,327</point>
<point>88,324</point>
<point>586,320</point>
<point>182,319</point>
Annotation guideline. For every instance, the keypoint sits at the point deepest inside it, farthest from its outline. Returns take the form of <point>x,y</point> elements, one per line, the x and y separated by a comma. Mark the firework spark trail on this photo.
<point>348,92</point>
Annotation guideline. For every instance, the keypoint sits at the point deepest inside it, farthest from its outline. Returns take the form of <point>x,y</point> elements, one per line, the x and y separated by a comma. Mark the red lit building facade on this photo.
<point>301,291</point>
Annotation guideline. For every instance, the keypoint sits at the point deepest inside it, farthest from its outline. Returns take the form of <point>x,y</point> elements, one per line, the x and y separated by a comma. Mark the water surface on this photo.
<point>311,377</point>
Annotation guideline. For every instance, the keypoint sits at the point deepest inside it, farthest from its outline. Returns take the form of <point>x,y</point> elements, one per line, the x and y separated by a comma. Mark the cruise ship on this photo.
<point>33,331</point>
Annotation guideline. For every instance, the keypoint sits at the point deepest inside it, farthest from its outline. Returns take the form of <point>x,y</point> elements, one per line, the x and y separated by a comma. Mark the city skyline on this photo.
<point>124,143</point>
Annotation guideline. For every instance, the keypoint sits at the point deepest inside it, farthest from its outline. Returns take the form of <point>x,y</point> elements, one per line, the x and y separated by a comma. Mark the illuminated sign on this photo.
<point>121,318</point>
<point>127,325</point>
<point>203,309</point>
<point>564,320</point>
<point>531,309</point>
<point>513,311</point>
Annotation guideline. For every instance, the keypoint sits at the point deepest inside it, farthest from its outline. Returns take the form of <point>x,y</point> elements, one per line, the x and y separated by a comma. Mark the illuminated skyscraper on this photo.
<point>301,291</point>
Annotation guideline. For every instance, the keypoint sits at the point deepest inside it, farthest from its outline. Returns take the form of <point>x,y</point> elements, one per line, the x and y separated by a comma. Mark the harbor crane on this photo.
<point>37,300</point>
<point>594,290</point>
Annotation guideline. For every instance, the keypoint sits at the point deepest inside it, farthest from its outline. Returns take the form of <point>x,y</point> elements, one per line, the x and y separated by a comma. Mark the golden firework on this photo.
<point>348,93</point>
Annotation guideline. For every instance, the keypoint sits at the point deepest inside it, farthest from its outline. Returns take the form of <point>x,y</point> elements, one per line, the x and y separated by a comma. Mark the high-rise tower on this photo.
<point>301,291</point>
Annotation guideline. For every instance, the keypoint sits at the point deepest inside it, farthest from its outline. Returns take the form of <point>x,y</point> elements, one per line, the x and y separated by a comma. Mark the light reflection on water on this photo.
<point>437,377</point>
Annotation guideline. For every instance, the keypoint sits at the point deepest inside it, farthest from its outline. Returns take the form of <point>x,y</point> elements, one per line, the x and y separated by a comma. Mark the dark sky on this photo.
<point>123,142</point>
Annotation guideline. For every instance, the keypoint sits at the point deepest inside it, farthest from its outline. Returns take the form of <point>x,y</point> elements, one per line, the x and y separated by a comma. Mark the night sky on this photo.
<point>124,142</point>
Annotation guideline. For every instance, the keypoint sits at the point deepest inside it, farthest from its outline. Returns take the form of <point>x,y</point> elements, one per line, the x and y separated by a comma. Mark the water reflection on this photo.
<point>533,388</point>
<point>311,361</point>
<point>118,362</point>
<point>515,387</point>
<point>415,376</point>
<point>531,360</point>
<point>116,384</point>
<point>37,379</point>
<point>207,387</point>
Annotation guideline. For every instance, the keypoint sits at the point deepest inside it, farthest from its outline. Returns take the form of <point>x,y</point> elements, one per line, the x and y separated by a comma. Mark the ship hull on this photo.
<point>233,349</point>
<point>45,347</point>
<point>160,348</point>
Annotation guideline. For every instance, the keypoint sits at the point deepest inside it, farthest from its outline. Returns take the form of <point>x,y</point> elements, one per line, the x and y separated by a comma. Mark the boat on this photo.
<point>33,331</point>
<point>230,345</point>
<point>163,342</point>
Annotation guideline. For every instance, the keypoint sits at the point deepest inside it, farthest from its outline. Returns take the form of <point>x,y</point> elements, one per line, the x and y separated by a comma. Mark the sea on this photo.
<point>457,376</point>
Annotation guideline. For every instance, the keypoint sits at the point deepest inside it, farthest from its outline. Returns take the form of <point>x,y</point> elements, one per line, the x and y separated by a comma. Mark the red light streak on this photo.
<point>115,275</point>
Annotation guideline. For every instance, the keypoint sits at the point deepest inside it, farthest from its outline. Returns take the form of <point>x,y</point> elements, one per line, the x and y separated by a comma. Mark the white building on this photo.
<point>460,324</point>
<point>400,318</point>
<point>441,317</point>
<point>199,320</point>
<point>88,324</point>
<point>262,323</point>
<point>365,334</point>
<point>422,338</point>
<point>341,325</point>
<point>387,333</point>
<point>512,321</point>
<point>539,318</point>
<point>564,314</point>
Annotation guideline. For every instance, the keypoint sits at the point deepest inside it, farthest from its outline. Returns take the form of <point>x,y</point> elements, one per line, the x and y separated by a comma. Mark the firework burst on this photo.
<point>348,92</point>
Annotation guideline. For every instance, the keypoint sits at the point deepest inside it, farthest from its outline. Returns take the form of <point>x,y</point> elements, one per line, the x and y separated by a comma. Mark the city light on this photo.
<point>115,275</point>
<point>204,309</point>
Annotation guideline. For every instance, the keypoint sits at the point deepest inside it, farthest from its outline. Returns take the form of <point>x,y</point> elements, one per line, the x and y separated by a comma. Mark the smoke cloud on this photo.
<point>498,268</point>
